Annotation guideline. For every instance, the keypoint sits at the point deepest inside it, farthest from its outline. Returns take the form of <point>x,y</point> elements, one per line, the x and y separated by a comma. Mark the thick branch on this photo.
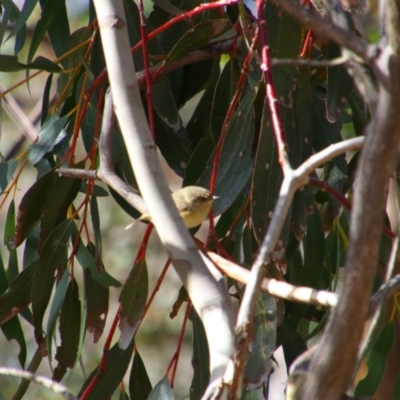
<point>332,367</point>
<point>209,296</point>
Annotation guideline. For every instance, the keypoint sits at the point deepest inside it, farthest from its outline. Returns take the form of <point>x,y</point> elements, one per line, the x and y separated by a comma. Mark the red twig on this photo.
<point>175,358</point>
<point>346,202</point>
<point>143,244</point>
<point>271,93</point>
<point>102,366</point>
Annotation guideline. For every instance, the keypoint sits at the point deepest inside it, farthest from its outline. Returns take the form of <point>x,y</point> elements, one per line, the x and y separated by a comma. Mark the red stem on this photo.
<point>346,202</point>
<point>102,366</point>
<point>271,93</point>
<point>175,358</point>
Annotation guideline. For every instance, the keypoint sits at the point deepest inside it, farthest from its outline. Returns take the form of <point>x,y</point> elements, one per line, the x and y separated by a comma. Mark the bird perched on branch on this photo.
<point>193,203</point>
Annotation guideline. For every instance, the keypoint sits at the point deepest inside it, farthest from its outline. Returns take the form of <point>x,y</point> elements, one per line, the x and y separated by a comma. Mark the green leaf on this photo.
<point>25,13</point>
<point>133,300</point>
<point>259,364</point>
<point>97,305</point>
<point>396,390</point>
<point>18,295</point>
<point>199,125</point>
<point>139,382</point>
<point>7,170</point>
<point>196,38</point>
<point>235,162</point>
<point>49,14</point>
<point>116,366</point>
<point>339,85</point>
<point>51,134</point>
<point>224,92</point>
<point>12,330</point>
<point>266,180</point>
<point>70,320</point>
<point>87,261</point>
<point>200,358</point>
<point>11,64</point>
<point>52,257</point>
<point>55,308</point>
<point>314,250</point>
<point>377,361</point>
<point>95,215</point>
<point>30,208</point>
<point>292,343</point>
<point>162,391</point>
<point>56,204</point>
<point>285,39</point>
<point>9,229</point>
<point>171,136</point>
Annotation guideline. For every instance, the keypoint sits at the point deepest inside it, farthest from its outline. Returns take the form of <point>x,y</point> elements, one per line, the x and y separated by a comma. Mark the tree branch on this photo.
<point>209,296</point>
<point>332,366</point>
<point>40,380</point>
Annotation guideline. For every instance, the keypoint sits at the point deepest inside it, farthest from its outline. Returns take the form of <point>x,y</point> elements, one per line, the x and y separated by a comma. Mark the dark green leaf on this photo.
<point>25,13</point>
<point>285,38</point>
<point>196,38</point>
<point>9,229</point>
<point>199,125</point>
<point>224,92</point>
<point>97,304</point>
<point>7,171</point>
<point>18,295</point>
<point>51,134</point>
<point>339,85</point>
<point>53,257</point>
<point>116,366</point>
<point>258,364</point>
<point>58,300</point>
<point>314,250</point>
<point>87,261</point>
<point>267,179</point>
<point>56,204</point>
<point>377,361</point>
<point>292,343</point>
<point>49,14</point>
<point>200,358</point>
<point>70,320</point>
<point>139,382</point>
<point>133,300</point>
<point>171,136</point>
<point>11,64</point>
<point>12,330</point>
<point>235,163</point>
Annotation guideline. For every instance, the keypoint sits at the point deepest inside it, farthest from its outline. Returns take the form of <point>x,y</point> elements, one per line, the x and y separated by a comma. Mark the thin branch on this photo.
<point>40,380</point>
<point>16,113</point>
<point>310,63</point>
<point>79,173</point>
<point>106,171</point>
<point>274,287</point>
<point>159,71</point>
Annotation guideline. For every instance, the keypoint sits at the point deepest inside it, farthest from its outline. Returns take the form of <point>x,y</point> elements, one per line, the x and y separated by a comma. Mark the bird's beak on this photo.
<point>215,197</point>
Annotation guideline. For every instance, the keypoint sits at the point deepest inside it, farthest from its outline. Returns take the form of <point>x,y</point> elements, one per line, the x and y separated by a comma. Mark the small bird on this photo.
<point>193,203</point>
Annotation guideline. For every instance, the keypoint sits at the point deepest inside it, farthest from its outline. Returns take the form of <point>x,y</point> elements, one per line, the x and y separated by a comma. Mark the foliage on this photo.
<point>210,55</point>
